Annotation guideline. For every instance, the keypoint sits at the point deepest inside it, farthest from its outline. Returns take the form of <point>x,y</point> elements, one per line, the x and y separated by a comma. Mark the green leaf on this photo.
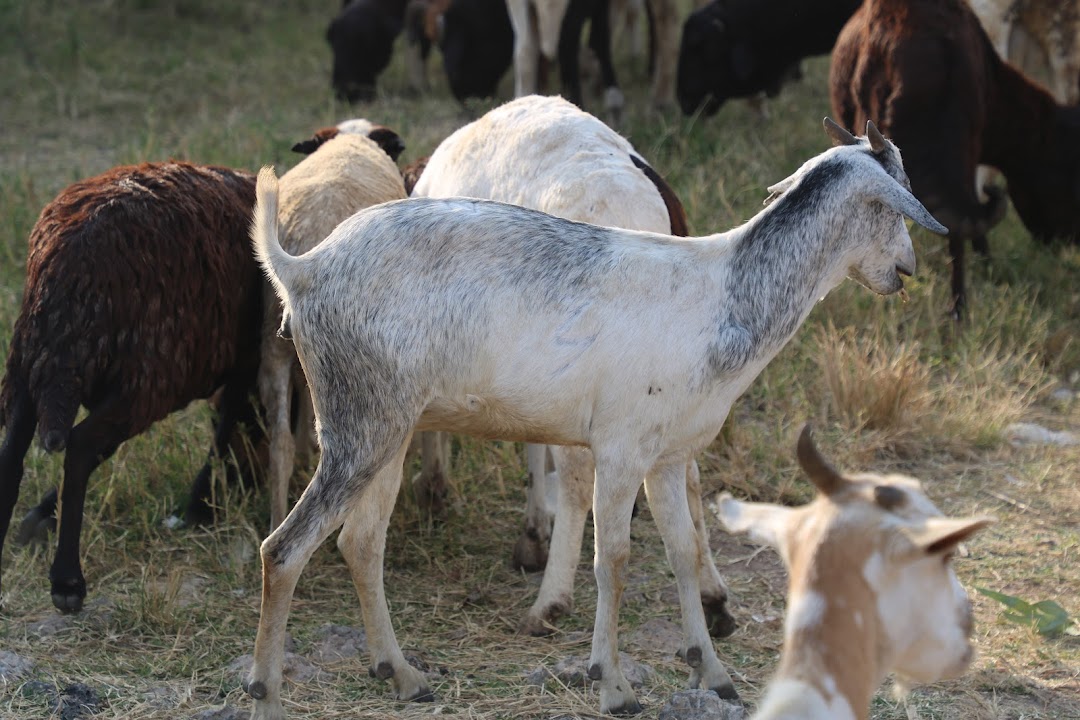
<point>1046,616</point>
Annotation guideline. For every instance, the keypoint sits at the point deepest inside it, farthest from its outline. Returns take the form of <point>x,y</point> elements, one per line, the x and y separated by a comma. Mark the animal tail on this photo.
<point>53,410</point>
<point>284,271</point>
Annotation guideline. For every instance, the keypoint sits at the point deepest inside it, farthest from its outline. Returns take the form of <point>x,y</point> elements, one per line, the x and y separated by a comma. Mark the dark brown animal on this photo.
<point>927,73</point>
<point>141,295</point>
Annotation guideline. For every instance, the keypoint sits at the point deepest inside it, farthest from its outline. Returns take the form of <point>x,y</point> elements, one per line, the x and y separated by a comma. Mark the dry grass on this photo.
<point>889,385</point>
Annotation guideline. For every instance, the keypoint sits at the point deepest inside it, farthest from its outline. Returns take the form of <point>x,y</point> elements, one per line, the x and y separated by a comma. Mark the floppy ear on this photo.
<point>388,140</point>
<point>764,522</point>
<point>309,146</point>
<point>896,197</point>
<point>939,535</point>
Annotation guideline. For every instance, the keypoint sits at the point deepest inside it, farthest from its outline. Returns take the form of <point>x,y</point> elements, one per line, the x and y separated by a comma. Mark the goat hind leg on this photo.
<point>575,472</point>
<point>666,489</point>
<point>532,547</point>
<point>319,511</point>
<point>362,542</point>
<point>714,593</point>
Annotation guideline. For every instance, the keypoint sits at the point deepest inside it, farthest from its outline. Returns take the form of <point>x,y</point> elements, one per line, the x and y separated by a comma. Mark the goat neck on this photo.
<point>831,658</point>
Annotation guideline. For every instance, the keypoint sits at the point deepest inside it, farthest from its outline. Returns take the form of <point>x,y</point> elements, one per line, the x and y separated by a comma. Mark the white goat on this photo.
<point>578,169</point>
<point>871,590</point>
<point>345,172</point>
<point>503,322</point>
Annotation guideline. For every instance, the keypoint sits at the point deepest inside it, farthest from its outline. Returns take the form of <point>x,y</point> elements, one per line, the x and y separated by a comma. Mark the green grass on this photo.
<point>94,84</point>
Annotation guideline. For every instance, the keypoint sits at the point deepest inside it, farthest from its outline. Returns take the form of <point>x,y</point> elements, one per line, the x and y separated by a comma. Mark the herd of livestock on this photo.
<point>463,295</point>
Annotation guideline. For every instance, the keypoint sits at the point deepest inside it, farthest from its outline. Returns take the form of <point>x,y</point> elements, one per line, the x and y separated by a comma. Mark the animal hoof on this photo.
<point>423,696</point>
<point>535,627</point>
<point>67,602</point>
<point>256,689</point>
<point>727,692</point>
<point>631,708</point>
<point>530,554</point>
<point>721,623</point>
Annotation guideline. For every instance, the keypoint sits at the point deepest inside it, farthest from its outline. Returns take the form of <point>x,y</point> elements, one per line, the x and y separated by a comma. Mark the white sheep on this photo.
<point>578,169</point>
<point>1033,35</point>
<point>503,322</point>
<point>870,589</point>
<point>345,171</point>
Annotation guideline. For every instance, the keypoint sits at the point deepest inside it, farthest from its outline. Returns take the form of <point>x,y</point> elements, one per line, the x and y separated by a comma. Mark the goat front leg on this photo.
<point>665,16</point>
<point>714,593</point>
<point>531,549</point>
<point>574,471</point>
<point>665,488</point>
<point>363,543</point>
<point>617,482</point>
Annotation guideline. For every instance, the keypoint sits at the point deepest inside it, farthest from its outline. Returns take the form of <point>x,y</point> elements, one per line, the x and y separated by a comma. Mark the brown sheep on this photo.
<point>141,295</point>
<point>926,71</point>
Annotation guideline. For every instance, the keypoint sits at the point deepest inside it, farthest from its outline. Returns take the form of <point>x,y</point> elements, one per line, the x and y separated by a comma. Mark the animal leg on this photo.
<point>362,542</point>
<point>575,472</point>
<point>531,550</point>
<point>714,593</point>
<point>92,442</point>
<point>665,488</point>
<point>276,394</point>
<point>617,482</point>
<point>20,433</point>
<point>236,408</point>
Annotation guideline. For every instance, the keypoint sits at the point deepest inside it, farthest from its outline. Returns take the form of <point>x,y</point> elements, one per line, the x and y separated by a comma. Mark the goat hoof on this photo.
<point>68,595</point>
<point>535,627</point>
<point>424,695</point>
<point>631,708</point>
<point>256,689</point>
<point>721,623</point>
<point>530,553</point>
<point>727,692</point>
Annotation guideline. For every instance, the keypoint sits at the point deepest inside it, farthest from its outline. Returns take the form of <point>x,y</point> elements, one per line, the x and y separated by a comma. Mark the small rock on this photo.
<point>1063,395</point>
<point>13,667</point>
<point>1019,434</point>
<point>656,634</point>
<point>338,642</point>
<point>297,668</point>
<point>222,713</point>
<point>573,671</point>
<point>700,705</point>
<point>49,625</point>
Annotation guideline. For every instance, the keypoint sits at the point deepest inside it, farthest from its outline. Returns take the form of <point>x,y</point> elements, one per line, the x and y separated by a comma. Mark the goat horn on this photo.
<point>821,473</point>
<point>839,135</point>
<point>877,140</point>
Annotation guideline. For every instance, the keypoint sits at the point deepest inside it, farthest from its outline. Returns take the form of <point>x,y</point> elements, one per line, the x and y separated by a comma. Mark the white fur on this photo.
<point>545,153</point>
<point>410,307</point>
<point>347,173</point>
<point>916,621</point>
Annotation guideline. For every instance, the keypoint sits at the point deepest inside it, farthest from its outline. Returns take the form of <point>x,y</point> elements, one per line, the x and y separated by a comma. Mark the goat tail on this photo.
<point>282,269</point>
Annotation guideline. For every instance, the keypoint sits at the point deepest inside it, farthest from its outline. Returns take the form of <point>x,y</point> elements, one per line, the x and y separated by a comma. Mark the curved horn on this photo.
<point>821,473</point>
<point>839,135</point>
<point>877,140</point>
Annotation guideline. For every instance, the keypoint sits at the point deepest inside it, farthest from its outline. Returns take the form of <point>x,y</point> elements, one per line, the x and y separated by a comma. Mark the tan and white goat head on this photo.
<point>871,588</point>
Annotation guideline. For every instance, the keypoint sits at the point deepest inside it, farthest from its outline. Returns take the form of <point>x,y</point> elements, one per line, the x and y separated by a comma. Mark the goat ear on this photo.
<point>940,535</point>
<point>839,135</point>
<point>388,140</point>
<point>824,476</point>
<point>764,522</point>
<point>877,140</point>
<point>896,197</point>
<point>778,189</point>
